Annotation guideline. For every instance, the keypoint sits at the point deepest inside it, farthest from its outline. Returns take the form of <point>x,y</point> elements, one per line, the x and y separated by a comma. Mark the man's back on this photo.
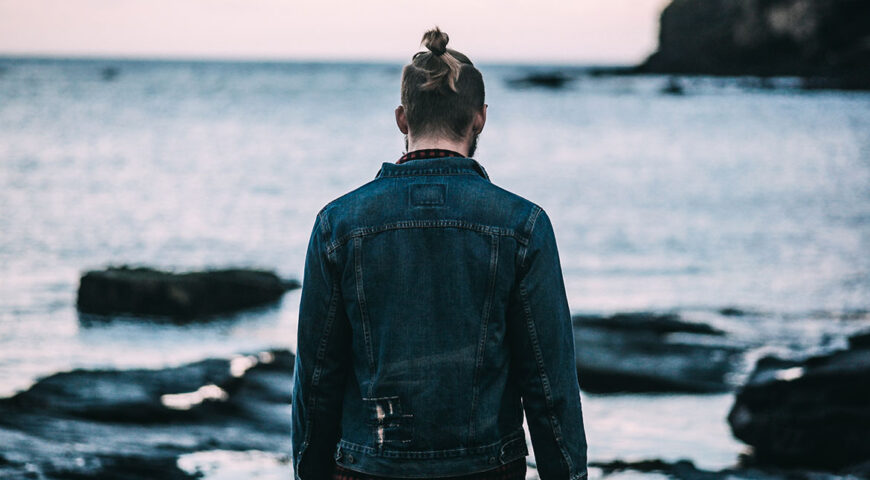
<point>433,247</point>
<point>426,265</point>
<point>433,311</point>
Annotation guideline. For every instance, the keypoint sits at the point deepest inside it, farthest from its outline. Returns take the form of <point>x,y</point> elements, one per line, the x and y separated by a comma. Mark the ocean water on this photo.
<point>731,195</point>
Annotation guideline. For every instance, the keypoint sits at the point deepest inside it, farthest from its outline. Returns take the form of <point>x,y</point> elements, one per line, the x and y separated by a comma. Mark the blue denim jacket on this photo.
<point>433,312</point>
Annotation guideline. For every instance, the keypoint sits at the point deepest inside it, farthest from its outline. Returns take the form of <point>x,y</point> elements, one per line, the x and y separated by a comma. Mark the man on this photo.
<point>433,311</point>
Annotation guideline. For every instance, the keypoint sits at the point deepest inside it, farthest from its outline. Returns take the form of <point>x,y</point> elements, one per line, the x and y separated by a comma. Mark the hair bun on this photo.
<point>436,41</point>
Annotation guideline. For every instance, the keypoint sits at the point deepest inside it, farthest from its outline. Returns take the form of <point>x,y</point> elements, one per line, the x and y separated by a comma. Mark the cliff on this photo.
<point>821,39</point>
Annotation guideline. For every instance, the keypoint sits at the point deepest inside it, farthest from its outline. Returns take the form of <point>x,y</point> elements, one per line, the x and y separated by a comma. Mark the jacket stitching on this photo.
<point>530,225</point>
<point>318,367</point>
<point>406,224</point>
<point>542,375</point>
<point>472,167</point>
<point>361,298</point>
<point>455,452</point>
<point>431,171</point>
<point>481,346</point>
<point>505,455</point>
<point>324,222</point>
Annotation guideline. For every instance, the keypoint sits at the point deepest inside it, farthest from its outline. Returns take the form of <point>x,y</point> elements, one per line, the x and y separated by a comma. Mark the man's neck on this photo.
<point>437,143</point>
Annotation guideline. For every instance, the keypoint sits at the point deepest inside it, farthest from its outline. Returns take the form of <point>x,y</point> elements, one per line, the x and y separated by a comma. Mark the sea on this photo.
<point>734,194</point>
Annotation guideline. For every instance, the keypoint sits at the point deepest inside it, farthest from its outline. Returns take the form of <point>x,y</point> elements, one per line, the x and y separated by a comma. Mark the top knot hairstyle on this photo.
<point>441,89</point>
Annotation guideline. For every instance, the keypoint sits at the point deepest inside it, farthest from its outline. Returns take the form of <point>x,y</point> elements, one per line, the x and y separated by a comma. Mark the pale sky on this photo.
<point>561,31</point>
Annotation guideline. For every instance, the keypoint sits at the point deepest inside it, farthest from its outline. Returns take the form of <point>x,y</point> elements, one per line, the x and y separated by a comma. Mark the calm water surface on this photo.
<point>726,196</point>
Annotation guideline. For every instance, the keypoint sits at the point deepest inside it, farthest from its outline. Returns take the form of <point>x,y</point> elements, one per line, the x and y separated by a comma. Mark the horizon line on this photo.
<point>206,58</point>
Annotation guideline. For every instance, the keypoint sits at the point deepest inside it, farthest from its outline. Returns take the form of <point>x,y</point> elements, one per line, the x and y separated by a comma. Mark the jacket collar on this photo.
<point>433,166</point>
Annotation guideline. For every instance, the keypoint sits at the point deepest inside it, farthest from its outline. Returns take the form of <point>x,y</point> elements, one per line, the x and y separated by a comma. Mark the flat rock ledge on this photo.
<point>149,292</point>
<point>652,352</point>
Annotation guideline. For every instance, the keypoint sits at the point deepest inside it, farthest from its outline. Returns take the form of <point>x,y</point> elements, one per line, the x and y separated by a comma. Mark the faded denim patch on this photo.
<point>389,423</point>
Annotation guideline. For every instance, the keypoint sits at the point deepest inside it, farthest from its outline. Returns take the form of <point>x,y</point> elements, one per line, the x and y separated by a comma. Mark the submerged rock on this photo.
<point>822,40</point>
<point>145,291</point>
<point>554,80</point>
<point>136,423</point>
<point>814,412</point>
<point>648,352</point>
<point>674,87</point>
<point>110,73</point>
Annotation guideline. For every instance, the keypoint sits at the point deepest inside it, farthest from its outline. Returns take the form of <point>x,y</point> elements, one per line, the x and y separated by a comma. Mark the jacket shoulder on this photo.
<point>372,202</point>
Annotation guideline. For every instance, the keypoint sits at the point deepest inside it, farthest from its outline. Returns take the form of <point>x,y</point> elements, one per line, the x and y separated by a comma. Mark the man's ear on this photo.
<point>479,120</point>
<point>401,119</point>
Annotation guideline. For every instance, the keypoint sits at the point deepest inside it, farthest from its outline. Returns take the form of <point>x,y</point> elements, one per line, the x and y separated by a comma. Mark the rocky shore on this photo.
<point>803,420</point>
<point>134,424</point>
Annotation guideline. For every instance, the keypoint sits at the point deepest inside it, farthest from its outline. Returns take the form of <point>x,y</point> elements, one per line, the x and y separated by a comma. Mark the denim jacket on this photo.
<point>433,315</point>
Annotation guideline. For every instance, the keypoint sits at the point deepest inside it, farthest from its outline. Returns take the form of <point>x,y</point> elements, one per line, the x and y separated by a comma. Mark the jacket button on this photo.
<point>350,458</point>
<point>492,460</point>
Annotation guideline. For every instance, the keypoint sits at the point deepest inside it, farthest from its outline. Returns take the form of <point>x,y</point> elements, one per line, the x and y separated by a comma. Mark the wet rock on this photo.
<point>134,424</point>
<point>686,470</point>
<point>681,469</point>
<point>649,352</point>
<point>553,80</point>
<point>674,87</point>
<point>109,73</point>
<point>127,467</point>
<point>732,312</point>
<point>145,291</point>
<point>822,40</point>
<point>814,412</point>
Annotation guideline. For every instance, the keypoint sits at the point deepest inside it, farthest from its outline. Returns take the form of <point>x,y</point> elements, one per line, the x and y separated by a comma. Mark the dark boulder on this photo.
<point>145,291</point>
<point>648,352</point>
<point>686,470</point>
<point>822,40</point>
<point>813,413</point>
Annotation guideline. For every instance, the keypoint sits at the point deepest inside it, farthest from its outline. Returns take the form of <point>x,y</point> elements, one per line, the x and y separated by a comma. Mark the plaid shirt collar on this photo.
<point>429,153</point>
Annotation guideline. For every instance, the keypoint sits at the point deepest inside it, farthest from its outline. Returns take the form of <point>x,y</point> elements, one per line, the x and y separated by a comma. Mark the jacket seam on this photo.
<point>363,308</point>
<point>422,454</point>
<point>315,375</point>
<point>427,173</point>
<point>529,227</point>
<point>481,346</point>
<point>544,379</point>
<point>408,224</point>
<point>324,222</point>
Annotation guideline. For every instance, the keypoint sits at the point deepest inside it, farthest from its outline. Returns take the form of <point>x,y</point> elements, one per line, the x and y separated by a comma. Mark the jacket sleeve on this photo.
<point>322,356</point>
<point>541,339</point>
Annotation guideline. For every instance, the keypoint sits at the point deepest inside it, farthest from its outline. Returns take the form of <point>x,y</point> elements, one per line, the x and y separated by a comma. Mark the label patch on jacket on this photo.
<point>427,194</point>
<point>389,423</point>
